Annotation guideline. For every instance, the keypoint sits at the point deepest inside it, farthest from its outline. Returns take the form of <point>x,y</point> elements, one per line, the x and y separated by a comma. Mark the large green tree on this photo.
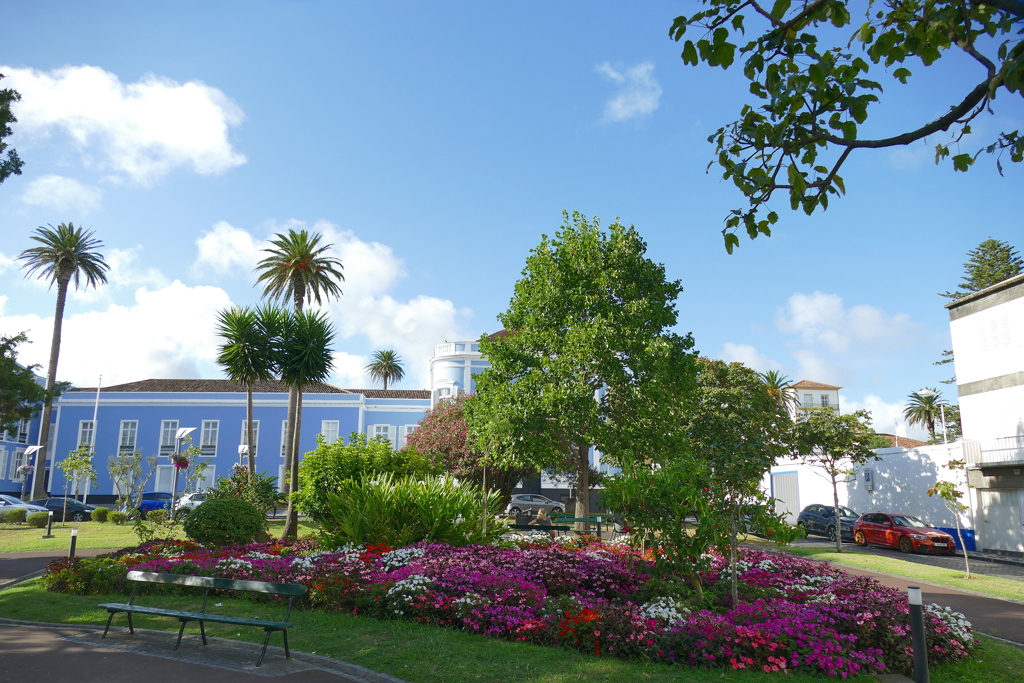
<point>589,332</point>
<point>21,397</point>
<point>11,165</point>
<point>386,367</point>
<point>65,253</point>
<point>813,76</point>
<point>838,445</point>
<point>299,269</point>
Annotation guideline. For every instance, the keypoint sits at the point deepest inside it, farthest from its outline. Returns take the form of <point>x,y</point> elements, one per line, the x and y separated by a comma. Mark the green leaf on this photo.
<point>901,75</point>
<point>731,242</point>
<point>962,162</point>
<point>780,8</point>
<point>690,53</point>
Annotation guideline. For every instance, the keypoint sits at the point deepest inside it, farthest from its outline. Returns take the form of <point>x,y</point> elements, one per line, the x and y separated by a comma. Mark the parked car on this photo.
<point>821,520</point>
<point>77,510</point>
<point>521,502</point>
<point>154,501</point>
<point>12,503</point>
<point>906,532</point>
<point>190,501</point>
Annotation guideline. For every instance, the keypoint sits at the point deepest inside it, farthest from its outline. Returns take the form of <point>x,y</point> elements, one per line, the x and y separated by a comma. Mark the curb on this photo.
<point>20,579</point>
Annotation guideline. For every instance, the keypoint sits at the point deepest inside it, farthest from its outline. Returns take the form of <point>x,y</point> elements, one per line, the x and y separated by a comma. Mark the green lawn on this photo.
<point>425,654</point>
<point>21,538</point>
<point>988,585</point>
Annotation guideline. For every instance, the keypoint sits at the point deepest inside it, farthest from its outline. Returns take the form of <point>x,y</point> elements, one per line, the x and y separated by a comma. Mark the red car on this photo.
<point>906,532</point>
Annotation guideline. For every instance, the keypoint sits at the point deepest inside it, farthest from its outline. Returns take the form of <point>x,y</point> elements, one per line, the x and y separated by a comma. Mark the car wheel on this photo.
<point>906,545</point>
<point>515,511</point>
<point>556,511</point>
<point>860,539</point>
<point>78,517</point>
<point>832,534</point>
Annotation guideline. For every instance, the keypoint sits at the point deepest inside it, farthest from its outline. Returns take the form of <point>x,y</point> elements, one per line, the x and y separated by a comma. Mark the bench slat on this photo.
<point>538,527</point>
<point>194,616</point>
<point>290,589</point>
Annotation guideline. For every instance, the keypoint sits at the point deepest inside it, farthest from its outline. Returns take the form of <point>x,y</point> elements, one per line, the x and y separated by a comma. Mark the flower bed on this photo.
<point>800,615</point>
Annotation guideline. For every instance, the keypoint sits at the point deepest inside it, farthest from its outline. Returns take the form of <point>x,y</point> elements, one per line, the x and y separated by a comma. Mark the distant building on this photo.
<point>816,395</point>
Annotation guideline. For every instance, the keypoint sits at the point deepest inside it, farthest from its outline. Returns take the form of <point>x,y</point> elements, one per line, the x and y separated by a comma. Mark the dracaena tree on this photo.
<point>813,68</point>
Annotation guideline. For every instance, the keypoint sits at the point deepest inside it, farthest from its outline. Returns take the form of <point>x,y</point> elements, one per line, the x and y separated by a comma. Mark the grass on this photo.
<point>953,578</point>
<point>426,654</point>
<point>22,538</point>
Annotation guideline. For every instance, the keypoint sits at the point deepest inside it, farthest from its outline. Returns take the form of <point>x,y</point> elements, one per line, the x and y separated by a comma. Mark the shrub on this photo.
<point>260,489</point>
<point>118,517</point>
<point>407,510</point>
<point>157,516</point>
<point>225,522</point>
<point>14,516</point>
<point>37,520</point>
<point>100,515</point>
<point>322,471</point>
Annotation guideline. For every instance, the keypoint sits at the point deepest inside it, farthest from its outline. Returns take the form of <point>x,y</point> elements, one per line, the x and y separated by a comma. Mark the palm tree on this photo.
<point>298,269</point>
<point>386,367</point>
<point>248,354</point>
<point>65,252</point>
<point>924,410</point>
<point>306,357</point>
<point>780,388</point>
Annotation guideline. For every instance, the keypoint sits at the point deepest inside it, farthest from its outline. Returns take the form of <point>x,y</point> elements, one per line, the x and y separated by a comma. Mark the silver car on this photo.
<point>12,503</point>
<point>533,502</point>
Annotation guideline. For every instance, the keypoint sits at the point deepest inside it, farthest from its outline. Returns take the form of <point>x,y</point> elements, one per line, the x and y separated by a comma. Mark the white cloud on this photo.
<point>349,373</point>
<point>823,319</point>
<point>884,416</point>
<point>638,93</point>
<point>128,343</point>
<point>5,263</point>
<point>810,365</point>
<point>140,130</point>
<point>62,194</point>
<point>123,273</point>
<point>365,309</point>
<point>749,356</point>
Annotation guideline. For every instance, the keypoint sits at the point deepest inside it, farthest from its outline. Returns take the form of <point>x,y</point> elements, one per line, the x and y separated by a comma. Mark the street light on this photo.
<point>243,450</point>
<point>181,434</point>
<point>928,393</point>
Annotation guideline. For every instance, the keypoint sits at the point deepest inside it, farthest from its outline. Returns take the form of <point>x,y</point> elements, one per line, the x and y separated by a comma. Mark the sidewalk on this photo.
<point>17,565</point>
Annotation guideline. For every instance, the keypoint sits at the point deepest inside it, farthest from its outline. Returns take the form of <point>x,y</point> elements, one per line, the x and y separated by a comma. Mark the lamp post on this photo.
<point>30,451</point>
<point>928,393</point>
<point>917,636</point>
<point>182,433</point>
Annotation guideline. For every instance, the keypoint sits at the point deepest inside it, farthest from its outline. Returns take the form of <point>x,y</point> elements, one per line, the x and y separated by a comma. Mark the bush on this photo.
<point>225,521</point>
<point>100,515</point>
<point>14,516</point>
<point>407,510</point>
<point>37,520</point>
<point>117,517</point>
<point>157,516</point>
<point>260,489</point>
<point>322,471</point>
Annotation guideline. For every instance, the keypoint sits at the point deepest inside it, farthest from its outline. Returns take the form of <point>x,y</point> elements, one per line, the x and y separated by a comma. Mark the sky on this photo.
<point>433,145</point>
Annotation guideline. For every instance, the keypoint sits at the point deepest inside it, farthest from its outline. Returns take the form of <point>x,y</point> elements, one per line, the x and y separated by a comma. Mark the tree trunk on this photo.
<point>835,511</point>
<point>385,382</point>
<point>248,436</point>
<point>733,578</point>
<point>582,483</point>
<point>39,478</point>
<point>286,484</point>
<point>291,524</point>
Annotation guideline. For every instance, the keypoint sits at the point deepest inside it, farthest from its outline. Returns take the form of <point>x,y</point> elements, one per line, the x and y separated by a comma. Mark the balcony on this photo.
<point>807,405</point>
<point>456,348</point>
<point>1007,450</point>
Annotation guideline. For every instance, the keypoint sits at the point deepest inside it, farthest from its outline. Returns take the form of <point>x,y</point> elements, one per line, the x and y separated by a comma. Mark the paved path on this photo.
<point>15,565</point>
<point>37,653</point>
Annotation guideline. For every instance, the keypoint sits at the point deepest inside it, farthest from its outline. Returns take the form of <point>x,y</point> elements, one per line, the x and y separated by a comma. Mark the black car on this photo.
<point>821,520</point>
<point>77,511</point>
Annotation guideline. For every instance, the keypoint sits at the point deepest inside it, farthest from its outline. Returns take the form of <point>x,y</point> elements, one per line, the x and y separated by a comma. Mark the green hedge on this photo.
<point>225,522</point>
<point>118,517</point>
<point>14,516</point>
<point>100,515</point>
<point>37,520</point>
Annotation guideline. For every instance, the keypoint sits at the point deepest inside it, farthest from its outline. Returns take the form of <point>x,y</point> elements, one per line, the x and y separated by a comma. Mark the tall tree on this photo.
<point>386,366</point>
<point>248,354</point>
<point>65,253</point>
<point>812,90</point>
<point>589,333</point>
<point>780,388</point>
<point>306,357</point>
<point>298,268</point>
<point>21,397</point>
<point>12,164</point>
<point>924,411</point>
<point>838,445</point>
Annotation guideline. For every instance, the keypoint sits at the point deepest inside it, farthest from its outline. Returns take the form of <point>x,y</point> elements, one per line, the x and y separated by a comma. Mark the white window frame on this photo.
<point>403,434</point>
<point>169,470</point>
<point>373,431</point>
<point>284,433</point>
<point>17,460</point>
<point>166,429</point>
<point>255,450</point>
<point>329,426</point>
<point>3,463</point>
<point>209,478</point>
<point>23,429</point>
<point>203,445</point>
<point>824,401</point>
<point>808,400</point>
<point>121,433</point>
<point>83,427</point>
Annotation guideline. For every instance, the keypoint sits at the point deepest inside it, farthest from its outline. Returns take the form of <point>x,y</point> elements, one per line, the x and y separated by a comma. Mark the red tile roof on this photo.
<point>227,386</point>
<point>905,442</point>
<point>808,384</point>
<point>391,393</point>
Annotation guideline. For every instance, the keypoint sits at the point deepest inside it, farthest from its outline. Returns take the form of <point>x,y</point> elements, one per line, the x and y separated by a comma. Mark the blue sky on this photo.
<point>434,145</point>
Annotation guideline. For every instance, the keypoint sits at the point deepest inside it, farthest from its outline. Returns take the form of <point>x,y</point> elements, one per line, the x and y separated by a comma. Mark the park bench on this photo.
<point>568,518</point>
<point>537,527</point>
<point>291,590</point>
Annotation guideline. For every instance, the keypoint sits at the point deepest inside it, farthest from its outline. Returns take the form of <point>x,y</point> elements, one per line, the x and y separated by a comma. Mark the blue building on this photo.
<point>13,444</point>
<point>145,416</point>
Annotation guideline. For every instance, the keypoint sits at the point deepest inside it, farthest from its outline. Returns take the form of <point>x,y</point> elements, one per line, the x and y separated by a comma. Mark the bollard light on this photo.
<point>74,539</point>
<point>914,595</point>
<point>49,524</point>
<point>917,636</point>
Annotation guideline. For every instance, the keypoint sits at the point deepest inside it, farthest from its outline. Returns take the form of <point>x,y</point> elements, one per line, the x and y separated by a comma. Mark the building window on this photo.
<point>16,462</point>
<point>808,401</point>
<point>284,433</point>
<point>168,430</point>
<point>403,434</point>
<point>86,433</point>
<point>444,393</point>
<point>3,463</point>
<point>255,436</point>
<point>129,432</point>
<point>23,431</point>
<point>208,445</point>
<point>329,428</point>
<point>824,400</point>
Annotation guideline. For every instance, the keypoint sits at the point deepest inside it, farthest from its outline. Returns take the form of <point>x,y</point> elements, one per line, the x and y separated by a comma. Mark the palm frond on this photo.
<point>298,269</point>
<point>386,367</point>
<point>66,253</point>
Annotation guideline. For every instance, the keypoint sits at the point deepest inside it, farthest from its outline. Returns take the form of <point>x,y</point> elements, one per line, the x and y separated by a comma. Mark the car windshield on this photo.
<point>907,521</point>
<point>8,500</point>
<point>847,512</point>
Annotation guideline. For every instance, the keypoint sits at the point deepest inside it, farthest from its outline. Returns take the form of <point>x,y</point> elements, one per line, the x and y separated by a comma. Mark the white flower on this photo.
<point>665,609</point>
<point>404,592</point>
<point>396,559</point>
<point>233,563</point>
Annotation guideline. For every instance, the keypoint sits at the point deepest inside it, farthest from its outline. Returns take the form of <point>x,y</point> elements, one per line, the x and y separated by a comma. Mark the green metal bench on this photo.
<point>565,517</point>
<point>537,527</point>
<point>292,590</point>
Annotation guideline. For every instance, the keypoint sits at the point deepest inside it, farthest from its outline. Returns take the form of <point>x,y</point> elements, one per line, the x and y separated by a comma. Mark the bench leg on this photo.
<point>180,632</point>
<point>202,632</point>
<point>109,619</point>
<point>287,654</point>
<point>263,654</point>
<point>131,628</point>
